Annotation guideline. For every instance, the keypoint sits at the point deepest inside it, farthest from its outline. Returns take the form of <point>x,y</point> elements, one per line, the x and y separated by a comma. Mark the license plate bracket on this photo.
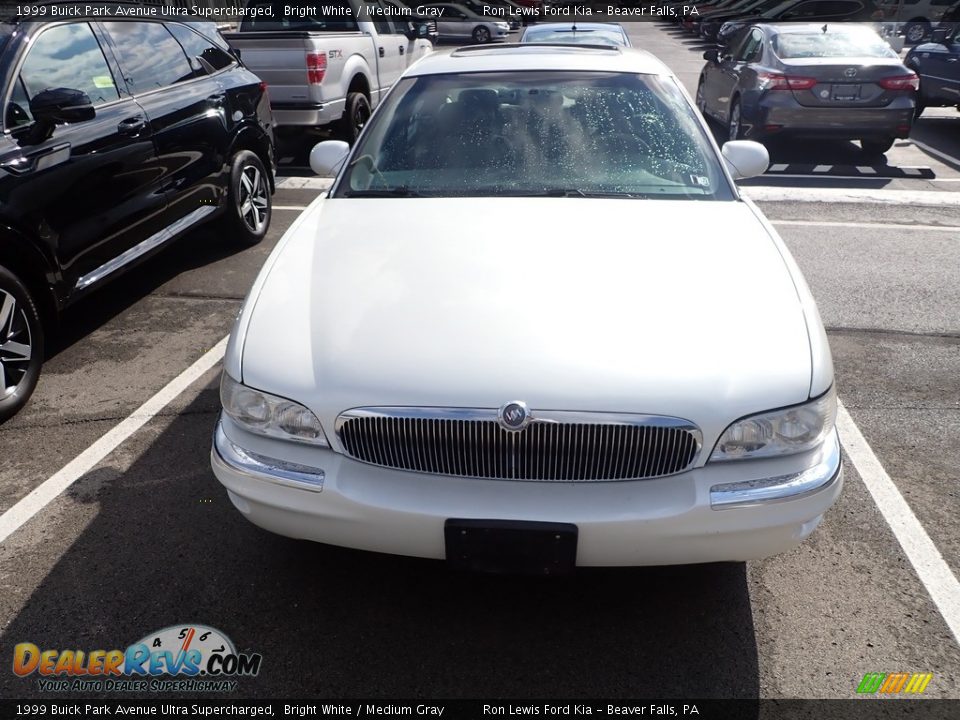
<point>845,92</point>
<point>511,546</point>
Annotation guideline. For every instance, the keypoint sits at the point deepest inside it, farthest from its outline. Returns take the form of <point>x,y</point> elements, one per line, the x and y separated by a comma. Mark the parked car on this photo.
<point>822,11</point>
<point>117,137</point>
<point>915,18</point>
<point>328,68</point>
<point>937,64</point>
<point>515,399</point>
<point>710,23</point>
<point>503,10</point>
<point>577,33</point>
<point>456,22</point>
<point>807,80</point>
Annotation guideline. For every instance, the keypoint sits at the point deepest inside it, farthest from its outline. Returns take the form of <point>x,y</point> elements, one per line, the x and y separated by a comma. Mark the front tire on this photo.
<point>701,102</point>
<point>21,345</point>
<point>249,205</point>
<point>481,35</point>
<point>876,148</point>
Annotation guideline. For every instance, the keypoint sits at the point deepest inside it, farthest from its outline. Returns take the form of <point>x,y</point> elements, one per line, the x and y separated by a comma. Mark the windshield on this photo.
<point>833,43</point>
<point>580,37</point>
<point>535,133</point>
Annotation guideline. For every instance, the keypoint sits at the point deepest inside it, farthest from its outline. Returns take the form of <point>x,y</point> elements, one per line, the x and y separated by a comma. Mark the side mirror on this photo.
<point>939,35</point>
<point>327,157</point>
<point>712,56</point>
<point>745,158</point>
<point>61,105</point>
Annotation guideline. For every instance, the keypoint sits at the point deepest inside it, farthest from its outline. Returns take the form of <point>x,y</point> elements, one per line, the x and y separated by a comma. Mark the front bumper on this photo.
<point>723,512</point>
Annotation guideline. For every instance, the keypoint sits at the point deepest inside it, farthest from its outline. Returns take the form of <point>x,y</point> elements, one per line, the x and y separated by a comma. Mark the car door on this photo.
<point>730,69</point>
<point>87,189</point>
<point>454,22</point>
<point>939,70</point>
<point>391,49</point>
<point>186,111</point>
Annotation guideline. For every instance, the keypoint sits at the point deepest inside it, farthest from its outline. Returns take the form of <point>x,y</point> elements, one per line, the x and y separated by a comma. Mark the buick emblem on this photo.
<point>850,72</point>
<point>513,416</point>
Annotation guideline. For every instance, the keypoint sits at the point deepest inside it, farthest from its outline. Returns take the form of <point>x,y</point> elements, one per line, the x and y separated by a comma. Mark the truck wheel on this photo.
<point>356,112</point>
<point>249,204</point>
<point>21,345</point>
<point>481,35</point>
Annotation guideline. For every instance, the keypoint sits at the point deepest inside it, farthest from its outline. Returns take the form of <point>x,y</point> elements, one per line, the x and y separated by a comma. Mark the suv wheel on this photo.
<point>21,345</point>
<point>916,31</point>
<point>249,203</point>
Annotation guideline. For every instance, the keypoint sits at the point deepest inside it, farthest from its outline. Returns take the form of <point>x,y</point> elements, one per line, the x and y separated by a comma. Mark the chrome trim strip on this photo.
<point>152,242</point>
<point>782,488</point>
<point>260,467</point>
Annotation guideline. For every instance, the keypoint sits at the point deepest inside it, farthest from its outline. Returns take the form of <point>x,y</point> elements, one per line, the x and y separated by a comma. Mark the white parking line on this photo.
<point>934,573</point>
<point>925,198</point>
<point>868,225</point>
<point>936,153</point>
<point>83,463</point>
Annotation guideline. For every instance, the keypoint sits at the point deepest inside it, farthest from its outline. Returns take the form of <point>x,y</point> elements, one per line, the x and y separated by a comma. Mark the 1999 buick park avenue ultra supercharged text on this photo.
<point>627,368</point>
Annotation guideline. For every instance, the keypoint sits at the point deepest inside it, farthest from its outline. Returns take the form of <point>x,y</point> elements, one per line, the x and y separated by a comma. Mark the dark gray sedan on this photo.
<point>837,80</point>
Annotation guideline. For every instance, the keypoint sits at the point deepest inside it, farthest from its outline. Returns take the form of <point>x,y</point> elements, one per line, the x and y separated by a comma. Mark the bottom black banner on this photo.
<point>860,709</point>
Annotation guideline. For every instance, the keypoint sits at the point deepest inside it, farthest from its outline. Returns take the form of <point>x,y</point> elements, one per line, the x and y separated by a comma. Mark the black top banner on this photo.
<point>861,709</point>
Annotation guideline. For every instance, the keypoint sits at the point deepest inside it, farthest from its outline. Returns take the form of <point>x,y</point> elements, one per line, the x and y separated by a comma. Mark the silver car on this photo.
<point>455,22</point>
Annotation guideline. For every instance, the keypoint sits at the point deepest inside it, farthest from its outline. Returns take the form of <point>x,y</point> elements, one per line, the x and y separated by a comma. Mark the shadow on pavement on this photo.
<point>338,623</point>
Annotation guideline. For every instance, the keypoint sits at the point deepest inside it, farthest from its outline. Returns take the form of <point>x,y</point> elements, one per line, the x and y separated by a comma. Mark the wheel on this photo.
<point>918,109</point>
<point>249,204</point>
<point>21,345</point>
<point>916,31</point>
<point>876,147</point>
<point>356,112</point>
<point>701,103</point>
<point>481,34</point>
<point>735,125</point>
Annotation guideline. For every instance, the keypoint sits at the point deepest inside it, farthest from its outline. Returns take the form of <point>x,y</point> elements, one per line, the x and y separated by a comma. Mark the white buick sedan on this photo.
<point>533,325</point>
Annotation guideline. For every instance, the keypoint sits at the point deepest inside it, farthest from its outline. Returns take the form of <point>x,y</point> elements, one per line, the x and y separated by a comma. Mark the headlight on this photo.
<point>269,415</point>
<point>779,432</point>
<point>503,25</point>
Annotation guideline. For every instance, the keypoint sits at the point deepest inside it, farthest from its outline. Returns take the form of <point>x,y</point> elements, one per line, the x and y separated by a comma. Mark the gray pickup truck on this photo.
<point>329,64</point>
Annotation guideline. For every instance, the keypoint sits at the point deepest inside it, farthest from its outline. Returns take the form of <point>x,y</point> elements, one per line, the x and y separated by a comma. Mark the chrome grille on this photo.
<point>555,446</point>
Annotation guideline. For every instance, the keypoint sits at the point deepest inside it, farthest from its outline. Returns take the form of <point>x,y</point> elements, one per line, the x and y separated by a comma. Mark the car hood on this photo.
<point>682,308</point>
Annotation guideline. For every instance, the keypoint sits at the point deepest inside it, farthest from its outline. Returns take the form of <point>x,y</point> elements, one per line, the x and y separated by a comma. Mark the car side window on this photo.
<point>201,51</point>
<point>149,55</point>
<point>750,49</point>
<point>64,56</point>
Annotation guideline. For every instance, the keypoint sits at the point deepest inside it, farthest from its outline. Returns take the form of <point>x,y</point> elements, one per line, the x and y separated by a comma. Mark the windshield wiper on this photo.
<point>385,193</point>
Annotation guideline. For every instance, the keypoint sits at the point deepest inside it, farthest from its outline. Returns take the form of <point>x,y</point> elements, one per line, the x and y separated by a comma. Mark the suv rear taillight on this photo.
<point>776,81</point>
<point>316,67</point>
<point>900,82</point>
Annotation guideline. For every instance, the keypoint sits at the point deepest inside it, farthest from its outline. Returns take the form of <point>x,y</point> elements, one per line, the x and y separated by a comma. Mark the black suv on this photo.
<point>117,137</point>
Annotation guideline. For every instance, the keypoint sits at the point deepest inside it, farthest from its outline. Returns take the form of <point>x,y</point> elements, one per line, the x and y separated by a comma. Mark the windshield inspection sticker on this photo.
<point>103,81</point>
<point>700,181</point>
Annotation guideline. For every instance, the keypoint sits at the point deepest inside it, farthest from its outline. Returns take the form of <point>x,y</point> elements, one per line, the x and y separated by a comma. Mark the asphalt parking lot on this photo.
<point>145,537</point>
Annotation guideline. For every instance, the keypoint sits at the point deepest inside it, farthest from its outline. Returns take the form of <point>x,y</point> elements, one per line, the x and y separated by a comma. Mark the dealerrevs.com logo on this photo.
<point>185,658</point>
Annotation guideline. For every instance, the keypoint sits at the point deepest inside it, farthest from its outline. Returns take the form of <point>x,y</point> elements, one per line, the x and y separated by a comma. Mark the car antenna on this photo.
<point>824,28</point>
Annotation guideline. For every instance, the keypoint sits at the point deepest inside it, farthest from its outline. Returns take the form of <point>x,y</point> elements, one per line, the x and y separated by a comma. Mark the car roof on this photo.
<point>794,27</point>
<point>539,56</point>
